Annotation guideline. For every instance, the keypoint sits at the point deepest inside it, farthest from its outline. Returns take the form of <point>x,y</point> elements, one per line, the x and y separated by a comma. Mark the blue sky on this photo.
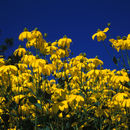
<point>78,19</point>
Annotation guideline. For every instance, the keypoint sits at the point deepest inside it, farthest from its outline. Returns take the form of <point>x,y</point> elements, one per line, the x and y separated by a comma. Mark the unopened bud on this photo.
<point>124,37</point>
<point>25,29</point>
<point>118,37</point>
<point>36,29</point>
<point>81,54</point>
<point>65,36</point>
<point>45,35</point>
<point>20,46</point>
<point>98,30</point>
<point>37,57</point>
<point>30,53</point>
<point>9,59</point>
<point>96,57</point>
<point>108,24</point>
<point>84,54</point>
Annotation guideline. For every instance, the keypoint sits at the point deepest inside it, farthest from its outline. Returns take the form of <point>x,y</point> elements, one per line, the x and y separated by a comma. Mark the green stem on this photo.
<point>81,77</point>
<point>124,65</point>
<point>128,58</point>
<point>36,108</point>
<point>109,54</point>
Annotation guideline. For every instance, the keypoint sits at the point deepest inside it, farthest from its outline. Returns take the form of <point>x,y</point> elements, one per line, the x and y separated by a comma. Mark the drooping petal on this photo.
<point>111,40</point>
<point>94,36</point>
<point>106,29</point>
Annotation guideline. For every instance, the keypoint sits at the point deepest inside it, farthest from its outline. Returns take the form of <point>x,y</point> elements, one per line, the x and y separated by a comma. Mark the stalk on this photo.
<point>124,65</point>
<point>109,54</point>
<point>128,58</point>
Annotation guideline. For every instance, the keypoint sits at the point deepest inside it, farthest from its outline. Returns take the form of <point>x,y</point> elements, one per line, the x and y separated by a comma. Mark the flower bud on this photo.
<point>25,29</point>
<point>37,57</point>
<point>30,53</point>
<point>108,24</point>
<point>65,36</point>
<point>98,30</point>
<point>84,54</point>
<point>36,29</point>
<point>118,37</point>
<point>45,35</point>
<point>124,37</point>
<point>20,46</point>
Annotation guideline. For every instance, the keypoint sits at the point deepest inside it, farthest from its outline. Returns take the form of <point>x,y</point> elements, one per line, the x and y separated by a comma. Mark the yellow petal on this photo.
<point>111,40</point>
<point>106,29</point>
<point>94,36</point>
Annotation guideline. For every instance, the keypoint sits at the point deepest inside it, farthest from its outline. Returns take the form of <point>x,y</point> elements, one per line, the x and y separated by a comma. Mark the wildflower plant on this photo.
<point>49,90</point>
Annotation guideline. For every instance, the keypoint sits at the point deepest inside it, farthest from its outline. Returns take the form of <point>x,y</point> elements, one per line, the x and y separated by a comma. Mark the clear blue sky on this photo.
<point>78,19</point>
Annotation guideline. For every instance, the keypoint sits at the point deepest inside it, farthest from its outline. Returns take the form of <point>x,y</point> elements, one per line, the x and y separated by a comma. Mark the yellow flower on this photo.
<point>68,115</point>
<point>75,100</point>
<point>25,35</point>
<point>128,37</point>
<point>1,56</point>
<point>122,99</point>
<point>24,109</point>
<point>54,43</point>
<point>64,42</point>
<point>47,69</point>
<point>18,97</point>
<point>126,103</point>
<point>63,106</point>
<point>121,44</point>
<point>60,52</point>
<point>36,34</point>
<point>27,59</point>
<point>54,57</point>
<point>11,69</point>
<point>20,52</point>
<point>2,62</point>
<point>37,42</point>
<point>38,62</point>
<point>22,67</point>
<point>2,99</point>
<point>60,115</point>
<point>101,36</point>
<point>17,89</point>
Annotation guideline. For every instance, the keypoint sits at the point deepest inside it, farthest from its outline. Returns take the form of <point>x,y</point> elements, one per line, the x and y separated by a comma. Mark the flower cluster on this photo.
<point>60,92</point>
<point>101,36</point>
<point>121,44</point>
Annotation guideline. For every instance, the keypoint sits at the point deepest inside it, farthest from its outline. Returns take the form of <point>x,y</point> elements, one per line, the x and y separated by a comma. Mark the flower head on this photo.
<point>25,35</point>
<point>101,36</point>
